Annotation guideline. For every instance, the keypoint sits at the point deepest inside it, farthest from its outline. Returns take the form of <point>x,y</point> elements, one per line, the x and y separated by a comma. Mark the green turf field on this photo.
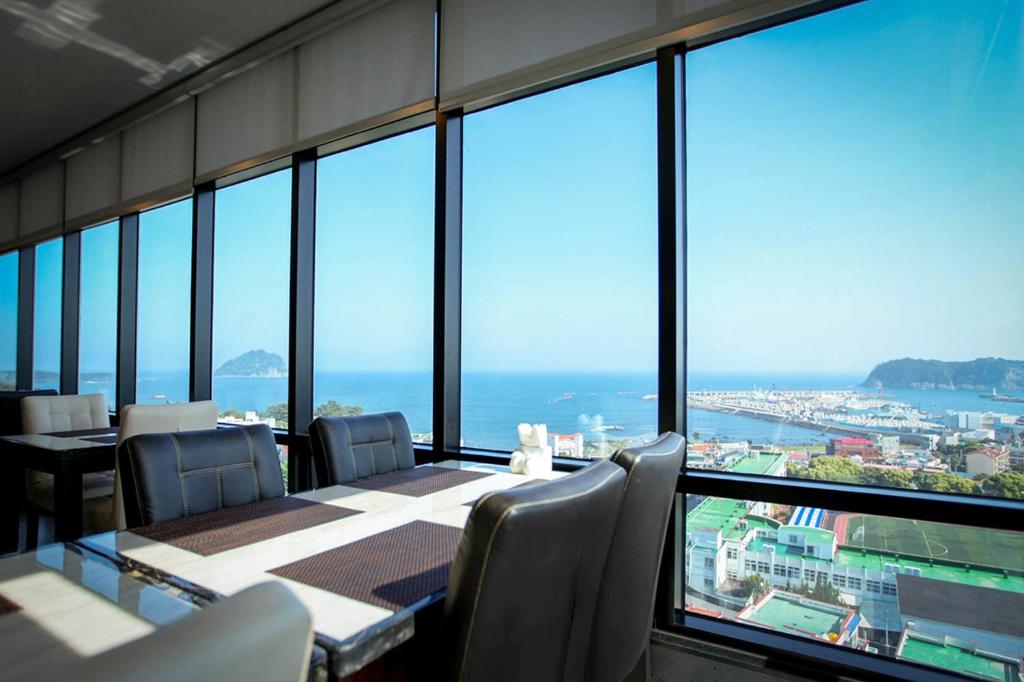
<point>1002,549</point>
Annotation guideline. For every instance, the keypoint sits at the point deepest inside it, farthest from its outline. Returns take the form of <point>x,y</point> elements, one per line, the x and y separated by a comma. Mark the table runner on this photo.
<point>107,440</point>
<point>7,606</point>
<point>417,482</point>
<point>246,524</point>
<point>393,569</point>
<point>102,431</point>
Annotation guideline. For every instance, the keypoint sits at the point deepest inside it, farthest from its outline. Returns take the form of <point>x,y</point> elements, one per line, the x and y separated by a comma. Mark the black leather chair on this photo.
<point>10,410</point>
<point>170,475</point>
<point>625,608</point>
<point>525,579</point>
<point>349,448</point>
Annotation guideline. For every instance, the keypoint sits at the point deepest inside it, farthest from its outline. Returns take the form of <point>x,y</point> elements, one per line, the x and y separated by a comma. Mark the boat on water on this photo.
<point>607,428</point>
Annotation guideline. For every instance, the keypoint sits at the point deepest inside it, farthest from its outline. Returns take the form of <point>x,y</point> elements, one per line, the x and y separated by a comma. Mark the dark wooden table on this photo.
<point>67,455</point>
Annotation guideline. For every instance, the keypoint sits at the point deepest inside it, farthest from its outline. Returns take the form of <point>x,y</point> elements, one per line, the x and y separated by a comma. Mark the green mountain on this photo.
<point>983,374</point>
<point>255,363</point>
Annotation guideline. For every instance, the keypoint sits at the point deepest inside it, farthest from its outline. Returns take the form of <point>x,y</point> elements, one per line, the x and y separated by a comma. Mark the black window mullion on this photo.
<point>127,309</point>
<point>300,341</point>
<point>70,304</point>
<point>671,298</point>
<point>447,285</point>
<point>26,316</point>
<point>200,383</point>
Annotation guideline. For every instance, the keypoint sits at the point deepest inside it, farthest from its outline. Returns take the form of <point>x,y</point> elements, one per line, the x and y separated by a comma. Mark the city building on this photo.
<point>989,460</point>
<point>963,657</point>
<point>798,615</point>
<point>862,448</point>
<point>567,445</point>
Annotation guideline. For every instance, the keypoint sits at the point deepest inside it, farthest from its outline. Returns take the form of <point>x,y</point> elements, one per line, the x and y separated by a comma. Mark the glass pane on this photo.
<point>854,239</point>
<point>8,320</point>
<point>165,304</point>
<point>252,246</point>
<point>97,345</point>
<point>374,224</point>
<point>47,315</point>
<point>933,593</point>
<point>560,267</point>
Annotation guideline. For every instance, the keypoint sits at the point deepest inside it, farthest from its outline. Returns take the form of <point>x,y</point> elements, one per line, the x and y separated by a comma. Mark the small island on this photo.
<point>254,363</point>
<point>982,374</point>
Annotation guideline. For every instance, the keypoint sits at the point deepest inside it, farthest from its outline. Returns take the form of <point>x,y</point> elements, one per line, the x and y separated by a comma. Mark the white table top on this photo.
<point>336,617</point>
<point>72,604</point>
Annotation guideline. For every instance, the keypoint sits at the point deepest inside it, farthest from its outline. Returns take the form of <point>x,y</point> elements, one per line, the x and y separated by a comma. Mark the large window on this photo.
<point>164,306</point>
<point>854,225</point>
<point>374,277</point>
<point>47,314</point>
<point>252,237</point>
<point>560,267</point>
<point>852,204</point>
<point>8,320</point>
<point>97,345</point>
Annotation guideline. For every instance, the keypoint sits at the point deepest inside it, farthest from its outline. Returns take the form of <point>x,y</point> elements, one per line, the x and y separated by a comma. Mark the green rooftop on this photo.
<point>786,613</point>
<point>950,657</point>
<point>758,464</point>
<point>874,560</point>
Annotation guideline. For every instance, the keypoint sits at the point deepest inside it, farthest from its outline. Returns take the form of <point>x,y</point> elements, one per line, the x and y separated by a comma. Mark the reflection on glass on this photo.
<point>8,320</point>
<point>931,593</point>
<point>47,315</point>
<point>374,280</point>
<point>845,173</point>
<point>164,308</point>
<point>97,345</point>
<point>252,240</point>
<point>560,268</point>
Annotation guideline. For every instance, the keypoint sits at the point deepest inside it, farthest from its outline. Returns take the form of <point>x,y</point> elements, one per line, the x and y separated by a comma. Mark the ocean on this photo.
<point>610,406</point>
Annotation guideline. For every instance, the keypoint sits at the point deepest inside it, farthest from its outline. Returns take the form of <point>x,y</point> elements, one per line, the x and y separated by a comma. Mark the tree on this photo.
<point>278,411</point>
<point>232,413</point>
<point>823,590</point>
<point>944,483</point>
<point>890,478</point>
<point>838,469</point>
<point>333,409</point>
<point>753,585</point>
<point>1007,484</point>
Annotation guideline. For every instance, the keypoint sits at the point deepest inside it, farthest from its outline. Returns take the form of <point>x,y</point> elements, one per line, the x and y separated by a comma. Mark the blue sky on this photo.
<point>854,195</point>
<point>97,345</point>
<point>8,310</point>
<point>855,189</point>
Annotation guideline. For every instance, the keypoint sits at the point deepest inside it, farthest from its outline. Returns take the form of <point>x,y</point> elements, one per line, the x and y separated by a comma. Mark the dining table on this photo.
<point>67,456</point>
<point>368,558</point>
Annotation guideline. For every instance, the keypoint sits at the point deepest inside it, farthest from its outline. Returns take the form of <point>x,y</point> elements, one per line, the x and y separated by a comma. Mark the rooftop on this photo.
<point>726,515</point>
<point>759,463</point>
<point>795,614</point>
<point>969,606</point>
<point>951,657</point>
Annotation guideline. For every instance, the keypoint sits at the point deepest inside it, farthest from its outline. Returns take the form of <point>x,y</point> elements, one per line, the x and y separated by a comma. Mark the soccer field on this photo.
<point>978,546</point>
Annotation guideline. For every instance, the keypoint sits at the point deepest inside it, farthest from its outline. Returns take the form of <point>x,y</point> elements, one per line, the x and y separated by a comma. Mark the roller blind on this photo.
<point>41,209</point>
<point>493,47</point>
<point>94,183</point>
<point>8,215</point>
<point>156,155</point>
<point>246,117</point>
<point>375,64</point>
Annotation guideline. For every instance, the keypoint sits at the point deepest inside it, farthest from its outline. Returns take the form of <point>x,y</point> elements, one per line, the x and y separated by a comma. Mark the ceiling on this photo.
<point>67,65</point>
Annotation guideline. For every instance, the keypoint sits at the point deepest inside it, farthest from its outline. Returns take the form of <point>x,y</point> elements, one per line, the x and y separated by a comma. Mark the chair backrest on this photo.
<point>10,410</point>
<point>349,448</point>
<point>262,633</point>
<point>525,579</point>
<point>625,608</point>
<point>139,419</point>
<point>170,475</point>
<point>52,413</point>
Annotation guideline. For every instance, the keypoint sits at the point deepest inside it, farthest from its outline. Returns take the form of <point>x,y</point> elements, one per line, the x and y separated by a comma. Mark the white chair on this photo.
<point>261,634</point>
<point>139,419</point>
<point>54,413</point>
